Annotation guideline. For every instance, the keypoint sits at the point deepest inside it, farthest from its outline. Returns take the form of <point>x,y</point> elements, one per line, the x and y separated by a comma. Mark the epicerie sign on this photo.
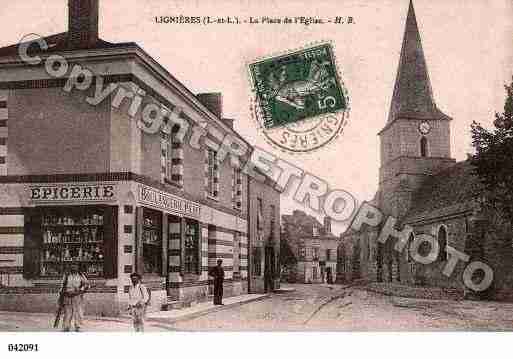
<point>168,202</point>
<point>73,192</point>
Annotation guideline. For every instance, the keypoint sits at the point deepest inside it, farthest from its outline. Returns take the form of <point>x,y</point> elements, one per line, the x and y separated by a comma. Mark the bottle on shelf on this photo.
<point>96,254</point>
<point>67,256</point>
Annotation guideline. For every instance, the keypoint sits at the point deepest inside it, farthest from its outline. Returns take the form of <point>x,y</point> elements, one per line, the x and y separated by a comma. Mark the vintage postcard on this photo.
<point>255,166</point>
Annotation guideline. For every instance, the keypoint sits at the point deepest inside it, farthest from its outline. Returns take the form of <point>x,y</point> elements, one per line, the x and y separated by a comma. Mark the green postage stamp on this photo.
<point>300,101</point>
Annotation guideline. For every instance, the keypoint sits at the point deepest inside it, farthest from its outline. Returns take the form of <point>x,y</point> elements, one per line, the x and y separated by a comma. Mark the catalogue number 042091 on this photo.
<point>23,347</point>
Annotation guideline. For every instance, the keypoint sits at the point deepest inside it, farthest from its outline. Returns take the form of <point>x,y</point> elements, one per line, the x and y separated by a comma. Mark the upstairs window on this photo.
<point>237,188</point>
<point>168,155</point>
<point>213,174</point>
<point>260,219</point>
<point>442,243</point>
<point>315,231</point>
<point>423,147</point>
<point>409,257</point>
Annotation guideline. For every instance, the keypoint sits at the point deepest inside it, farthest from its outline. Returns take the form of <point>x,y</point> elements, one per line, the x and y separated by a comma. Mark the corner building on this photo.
<point>82,183</point>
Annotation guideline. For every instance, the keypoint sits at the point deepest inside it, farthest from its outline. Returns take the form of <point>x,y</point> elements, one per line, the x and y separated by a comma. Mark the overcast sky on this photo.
<point>467,44</point>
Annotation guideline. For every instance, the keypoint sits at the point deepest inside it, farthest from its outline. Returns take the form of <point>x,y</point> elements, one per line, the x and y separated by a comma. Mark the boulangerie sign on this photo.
<point>168,202</point>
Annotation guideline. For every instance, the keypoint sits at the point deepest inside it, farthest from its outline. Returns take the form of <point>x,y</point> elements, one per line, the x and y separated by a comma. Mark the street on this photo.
<point>331,307</point>
<point>312,308</point>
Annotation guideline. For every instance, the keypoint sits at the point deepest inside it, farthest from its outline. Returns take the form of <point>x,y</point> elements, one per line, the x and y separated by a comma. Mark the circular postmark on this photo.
<point>300,102</point>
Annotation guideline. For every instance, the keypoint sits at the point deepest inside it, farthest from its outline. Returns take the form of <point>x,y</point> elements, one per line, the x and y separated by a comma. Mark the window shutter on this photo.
<point>110,265</point>
<point>165,245</point>
<point>31,243</point>
<point>139,259</point>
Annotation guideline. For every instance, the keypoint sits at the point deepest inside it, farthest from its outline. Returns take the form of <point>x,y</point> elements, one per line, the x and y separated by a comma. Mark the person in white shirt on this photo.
<point>138,298</point>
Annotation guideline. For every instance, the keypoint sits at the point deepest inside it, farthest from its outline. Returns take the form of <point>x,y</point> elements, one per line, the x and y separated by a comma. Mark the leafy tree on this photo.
<point>493,159</point>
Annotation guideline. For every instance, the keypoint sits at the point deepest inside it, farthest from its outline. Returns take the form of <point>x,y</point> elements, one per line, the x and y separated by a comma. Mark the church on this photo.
<point>422,186</point>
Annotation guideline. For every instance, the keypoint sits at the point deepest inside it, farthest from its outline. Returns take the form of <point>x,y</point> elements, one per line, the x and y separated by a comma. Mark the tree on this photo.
<point>493,159</point>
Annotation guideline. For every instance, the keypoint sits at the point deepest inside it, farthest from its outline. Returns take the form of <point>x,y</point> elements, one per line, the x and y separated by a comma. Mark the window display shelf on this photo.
<point>73,235</point>
<point>71,225</point>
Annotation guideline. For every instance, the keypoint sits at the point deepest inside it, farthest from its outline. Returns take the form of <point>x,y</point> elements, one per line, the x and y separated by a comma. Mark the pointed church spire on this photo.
<point>412,96</point>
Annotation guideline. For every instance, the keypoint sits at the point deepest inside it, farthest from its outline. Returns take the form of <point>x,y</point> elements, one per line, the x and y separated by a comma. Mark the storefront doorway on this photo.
<point>269,271</point>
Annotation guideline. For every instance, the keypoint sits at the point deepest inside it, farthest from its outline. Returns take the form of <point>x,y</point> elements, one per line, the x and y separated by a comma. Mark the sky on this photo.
<point>467,45</point>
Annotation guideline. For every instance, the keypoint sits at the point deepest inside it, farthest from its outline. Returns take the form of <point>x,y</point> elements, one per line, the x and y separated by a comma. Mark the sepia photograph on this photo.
<point>238,168</point>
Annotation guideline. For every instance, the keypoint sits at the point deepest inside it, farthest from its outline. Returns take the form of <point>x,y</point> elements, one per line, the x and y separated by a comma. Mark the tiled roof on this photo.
<point>59,42</point>
<point>448,192</point>
<point>413,97</point>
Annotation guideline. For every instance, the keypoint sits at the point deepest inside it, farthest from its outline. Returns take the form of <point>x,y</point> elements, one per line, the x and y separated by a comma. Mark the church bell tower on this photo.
<point>415,142</point>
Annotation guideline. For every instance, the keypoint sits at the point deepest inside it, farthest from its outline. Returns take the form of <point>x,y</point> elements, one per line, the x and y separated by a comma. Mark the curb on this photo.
<point>398,294</point>
<point>201,313</point>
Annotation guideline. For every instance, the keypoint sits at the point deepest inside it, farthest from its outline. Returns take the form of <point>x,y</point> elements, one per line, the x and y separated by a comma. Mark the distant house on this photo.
<point>314,247</point>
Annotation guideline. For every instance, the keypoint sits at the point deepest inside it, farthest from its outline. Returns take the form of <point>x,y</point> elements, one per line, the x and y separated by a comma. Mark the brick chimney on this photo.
<point>327,224</point>
<point>213,101</point>
<point>83,23</point>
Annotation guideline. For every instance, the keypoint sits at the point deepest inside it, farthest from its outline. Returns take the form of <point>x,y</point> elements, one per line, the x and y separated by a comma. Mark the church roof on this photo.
<point>413,96</point>
<point>449,192</point>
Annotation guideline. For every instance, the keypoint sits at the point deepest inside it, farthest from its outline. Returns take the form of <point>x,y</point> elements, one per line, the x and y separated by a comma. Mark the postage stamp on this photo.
<point>300,101</point>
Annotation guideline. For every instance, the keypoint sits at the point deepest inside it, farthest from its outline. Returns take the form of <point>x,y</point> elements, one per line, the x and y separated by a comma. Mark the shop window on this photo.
<point>57,237</point>
<point>213,173</point>
<point>236,254</point>
<point>191,247</point>
<point>257,261</point>
<point>273,221</point>
<point>315,254</point>
<point>302,253</point>
<point>152,242</point>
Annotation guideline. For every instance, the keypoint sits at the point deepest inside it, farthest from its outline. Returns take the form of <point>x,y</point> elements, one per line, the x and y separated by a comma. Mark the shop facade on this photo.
<point>111,229</point>
<point>86,184</point>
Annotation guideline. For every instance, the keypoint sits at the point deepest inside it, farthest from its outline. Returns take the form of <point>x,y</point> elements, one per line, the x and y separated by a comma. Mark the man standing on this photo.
<point>138,299</point>
<point>74,285</point>
<point>218,273</point>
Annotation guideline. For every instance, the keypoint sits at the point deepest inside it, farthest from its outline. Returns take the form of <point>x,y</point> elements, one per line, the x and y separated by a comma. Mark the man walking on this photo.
<point>138,299</point>
<point>74,285</point>
<point>218,273</point>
